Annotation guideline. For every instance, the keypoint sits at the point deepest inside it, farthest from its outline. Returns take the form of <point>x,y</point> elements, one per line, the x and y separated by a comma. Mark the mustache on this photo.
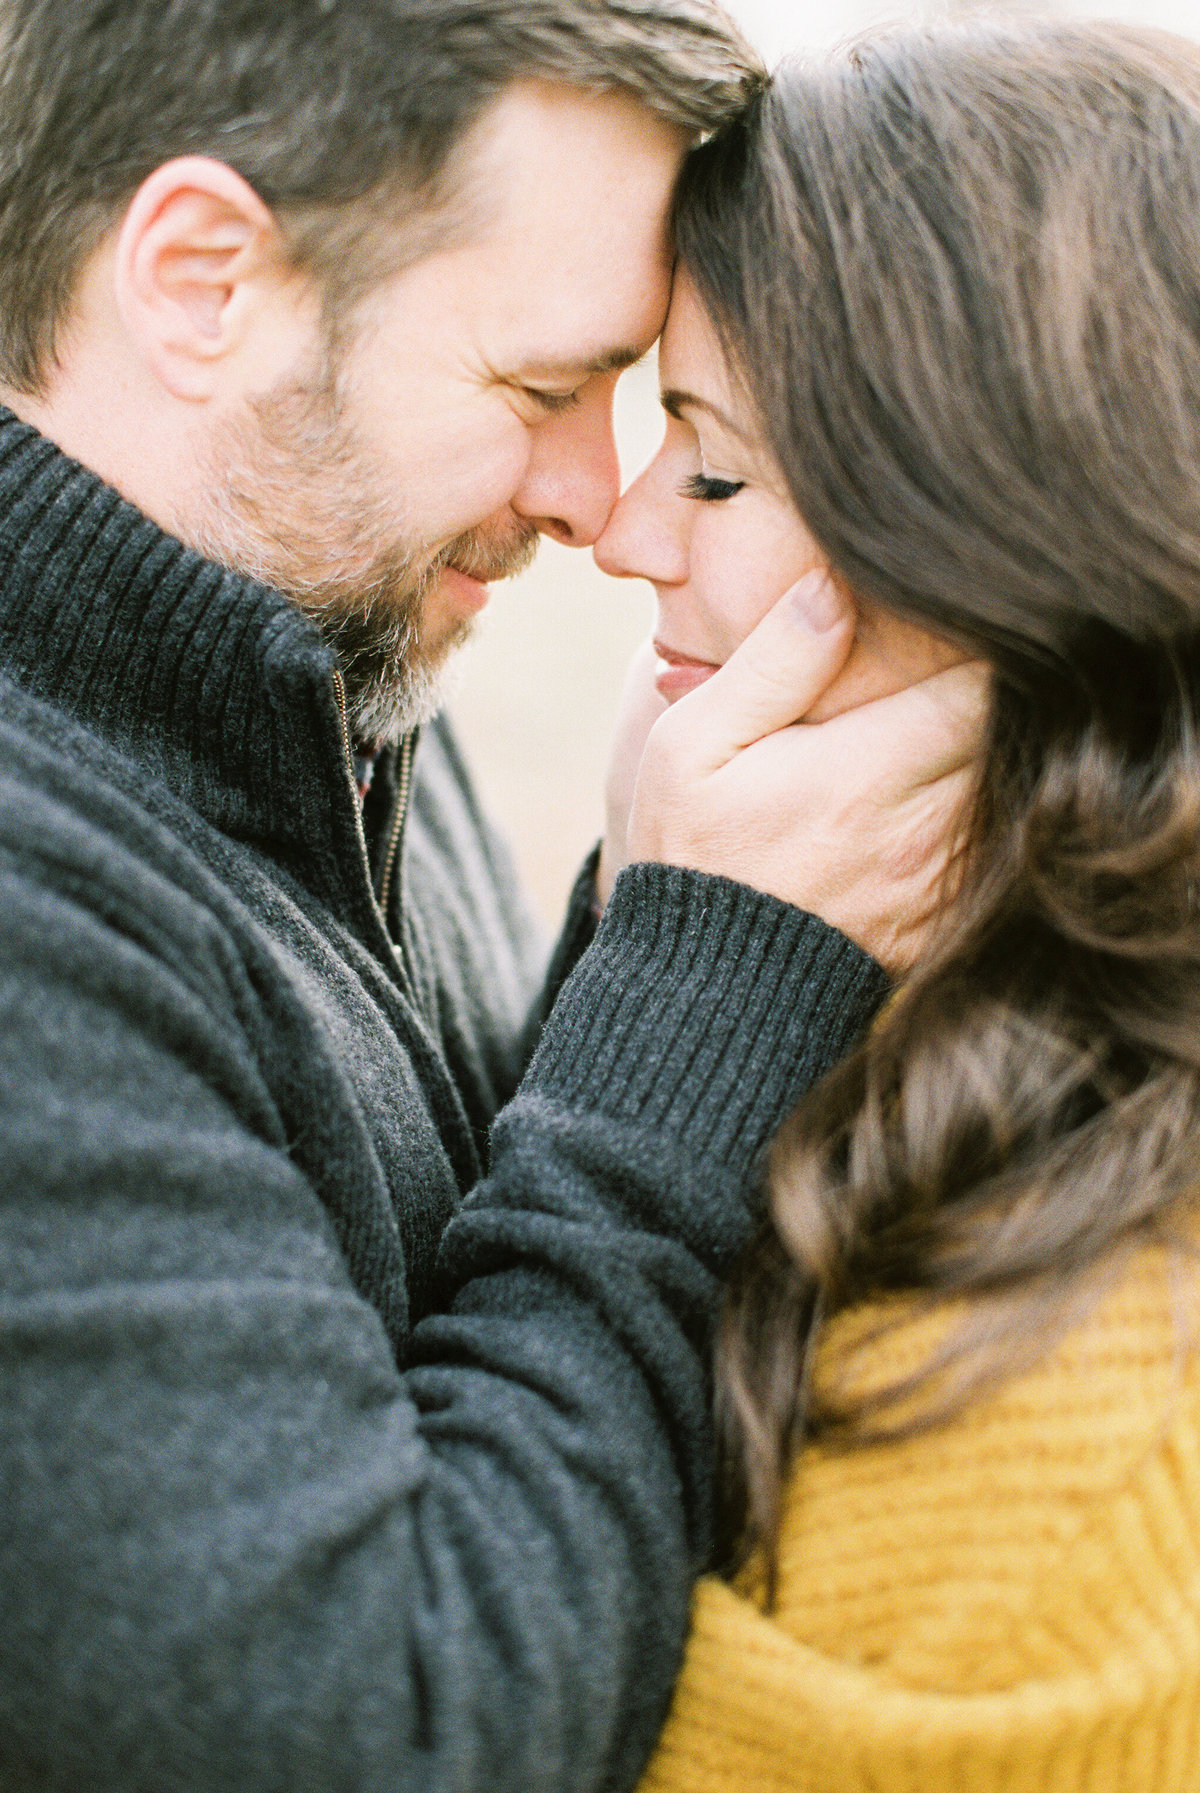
<point>488,557</point>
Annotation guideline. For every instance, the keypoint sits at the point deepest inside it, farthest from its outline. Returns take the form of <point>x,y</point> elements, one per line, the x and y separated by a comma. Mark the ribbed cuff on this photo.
<point>703,1010</point>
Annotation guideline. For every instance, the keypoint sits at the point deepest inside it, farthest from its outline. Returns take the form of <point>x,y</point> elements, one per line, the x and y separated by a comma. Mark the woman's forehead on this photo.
<point>693,376</point>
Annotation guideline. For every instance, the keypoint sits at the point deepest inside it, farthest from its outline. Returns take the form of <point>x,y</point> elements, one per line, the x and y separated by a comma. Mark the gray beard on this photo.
<point>291,499</point>
<point>393,681</point>
<point>392,686</point>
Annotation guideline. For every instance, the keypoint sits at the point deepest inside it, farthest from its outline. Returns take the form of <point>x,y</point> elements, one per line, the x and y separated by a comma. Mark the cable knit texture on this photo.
<point>1007,1604</point>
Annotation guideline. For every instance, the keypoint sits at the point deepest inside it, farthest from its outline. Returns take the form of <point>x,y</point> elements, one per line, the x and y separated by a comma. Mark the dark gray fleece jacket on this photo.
<point>331,1456</point>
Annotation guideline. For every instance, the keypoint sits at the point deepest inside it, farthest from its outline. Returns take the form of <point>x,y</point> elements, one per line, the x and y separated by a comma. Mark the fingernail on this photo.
<point>817,604</point>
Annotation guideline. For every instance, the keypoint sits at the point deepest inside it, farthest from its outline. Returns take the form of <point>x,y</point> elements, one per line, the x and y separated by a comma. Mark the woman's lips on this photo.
<point>680,673</point>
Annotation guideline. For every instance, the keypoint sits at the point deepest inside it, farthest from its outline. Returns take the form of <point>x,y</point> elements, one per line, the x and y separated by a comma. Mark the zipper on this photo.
<point>339,691</point>
<point>404,790</point>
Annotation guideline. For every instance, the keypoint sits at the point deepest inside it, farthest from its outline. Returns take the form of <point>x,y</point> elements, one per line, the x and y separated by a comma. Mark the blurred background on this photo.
<point>536,692</point>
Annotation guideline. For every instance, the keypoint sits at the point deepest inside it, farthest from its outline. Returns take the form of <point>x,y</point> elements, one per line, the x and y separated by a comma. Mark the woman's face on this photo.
<point>711,526</point>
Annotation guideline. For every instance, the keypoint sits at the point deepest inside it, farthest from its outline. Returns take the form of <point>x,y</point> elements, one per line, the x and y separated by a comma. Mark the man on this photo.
<point>318,1470</point>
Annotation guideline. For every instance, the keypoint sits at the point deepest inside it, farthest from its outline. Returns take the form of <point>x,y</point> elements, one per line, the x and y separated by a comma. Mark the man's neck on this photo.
<point>122,436</point>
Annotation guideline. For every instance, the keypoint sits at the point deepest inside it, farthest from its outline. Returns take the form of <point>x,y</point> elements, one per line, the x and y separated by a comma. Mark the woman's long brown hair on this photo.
<point>959,272</point>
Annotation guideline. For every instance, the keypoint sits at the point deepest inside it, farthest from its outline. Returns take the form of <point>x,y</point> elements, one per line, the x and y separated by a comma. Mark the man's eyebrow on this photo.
<point>608,361</point>
<point>675,401</point>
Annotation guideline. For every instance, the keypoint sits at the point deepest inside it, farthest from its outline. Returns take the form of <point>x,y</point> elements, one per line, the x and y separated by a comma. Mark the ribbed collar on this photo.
<point>215,684</point>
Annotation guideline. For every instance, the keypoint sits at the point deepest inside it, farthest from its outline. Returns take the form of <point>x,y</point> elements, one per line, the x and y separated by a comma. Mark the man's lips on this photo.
<point>680,673</point>
<point>467,592</point>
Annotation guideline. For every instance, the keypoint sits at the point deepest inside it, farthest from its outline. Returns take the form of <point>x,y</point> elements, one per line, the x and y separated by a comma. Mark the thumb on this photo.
<point>777,674</point>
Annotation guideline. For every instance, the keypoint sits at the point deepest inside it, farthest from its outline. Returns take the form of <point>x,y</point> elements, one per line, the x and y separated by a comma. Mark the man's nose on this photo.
<point>573,477</point>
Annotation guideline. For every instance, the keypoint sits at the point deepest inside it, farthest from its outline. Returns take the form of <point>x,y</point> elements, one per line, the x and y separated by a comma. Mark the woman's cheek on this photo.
<point>731,587</point>
<point>747,554</point>
<point>752,588</point>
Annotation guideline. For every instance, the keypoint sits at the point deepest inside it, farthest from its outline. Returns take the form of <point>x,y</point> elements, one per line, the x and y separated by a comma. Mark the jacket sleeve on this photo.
<point>239,1546</point>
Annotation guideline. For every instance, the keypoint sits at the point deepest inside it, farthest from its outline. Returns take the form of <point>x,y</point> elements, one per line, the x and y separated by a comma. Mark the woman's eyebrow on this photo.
<point>675,401</point>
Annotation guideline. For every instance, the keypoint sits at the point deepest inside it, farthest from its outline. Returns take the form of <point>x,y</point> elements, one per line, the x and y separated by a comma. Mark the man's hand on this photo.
<point>856,819</point>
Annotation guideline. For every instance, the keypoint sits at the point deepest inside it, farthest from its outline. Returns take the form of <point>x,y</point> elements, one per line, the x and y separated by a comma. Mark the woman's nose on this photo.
<point>644,537</point>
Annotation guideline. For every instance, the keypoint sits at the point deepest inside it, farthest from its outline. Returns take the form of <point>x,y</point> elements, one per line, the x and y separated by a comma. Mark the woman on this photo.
<point>937,330</point>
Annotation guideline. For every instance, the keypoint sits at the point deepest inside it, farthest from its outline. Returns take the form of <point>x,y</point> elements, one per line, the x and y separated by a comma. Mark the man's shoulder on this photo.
<point>58,779</point>
<point>86,831</point>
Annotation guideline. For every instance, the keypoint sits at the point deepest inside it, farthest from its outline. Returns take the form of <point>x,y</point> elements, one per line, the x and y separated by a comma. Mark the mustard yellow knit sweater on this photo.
<point>1010,1602</point>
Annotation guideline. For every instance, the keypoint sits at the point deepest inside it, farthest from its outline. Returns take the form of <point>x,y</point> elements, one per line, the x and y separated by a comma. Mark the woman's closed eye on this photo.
<point>708,490</point>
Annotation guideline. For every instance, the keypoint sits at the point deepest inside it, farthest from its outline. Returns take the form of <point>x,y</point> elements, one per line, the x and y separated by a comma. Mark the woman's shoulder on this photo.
<point>1017,1585</point>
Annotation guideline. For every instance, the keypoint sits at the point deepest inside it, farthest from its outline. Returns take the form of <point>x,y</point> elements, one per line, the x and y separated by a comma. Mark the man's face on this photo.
<point>469,408</point>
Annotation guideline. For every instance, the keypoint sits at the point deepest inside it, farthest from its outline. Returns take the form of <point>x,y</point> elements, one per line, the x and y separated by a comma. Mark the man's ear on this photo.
<point>197,251</point>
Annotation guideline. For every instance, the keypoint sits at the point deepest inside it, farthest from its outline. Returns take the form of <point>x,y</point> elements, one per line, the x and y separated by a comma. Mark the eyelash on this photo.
<point>551,401</point>
<point>710,491</point>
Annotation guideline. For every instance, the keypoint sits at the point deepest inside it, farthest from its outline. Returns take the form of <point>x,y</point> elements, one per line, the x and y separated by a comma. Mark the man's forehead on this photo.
<point>573,264</point>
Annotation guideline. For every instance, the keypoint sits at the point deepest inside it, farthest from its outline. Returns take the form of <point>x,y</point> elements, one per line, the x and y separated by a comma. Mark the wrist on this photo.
<point>703,1009</point>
